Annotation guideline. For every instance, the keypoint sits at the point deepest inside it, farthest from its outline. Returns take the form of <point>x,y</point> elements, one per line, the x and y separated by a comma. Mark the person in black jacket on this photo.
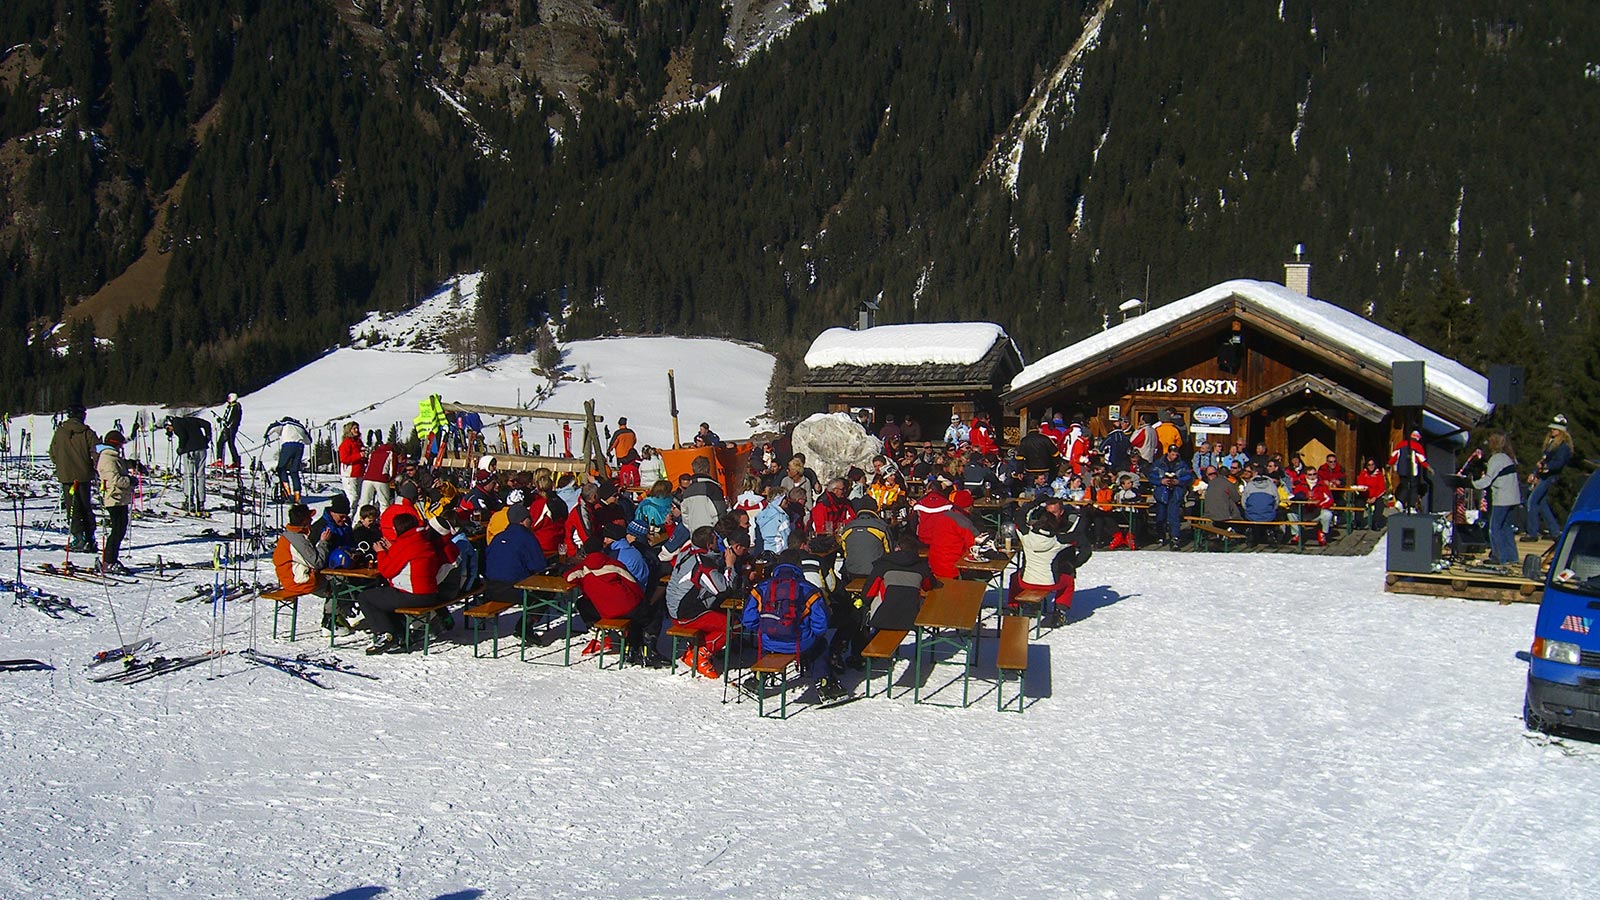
<point>194,441</point>
<point>1038,452</point>
<point>228,422</point>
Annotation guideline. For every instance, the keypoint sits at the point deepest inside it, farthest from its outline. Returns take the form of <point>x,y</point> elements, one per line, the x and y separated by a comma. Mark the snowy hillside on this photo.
<point>395,362</point>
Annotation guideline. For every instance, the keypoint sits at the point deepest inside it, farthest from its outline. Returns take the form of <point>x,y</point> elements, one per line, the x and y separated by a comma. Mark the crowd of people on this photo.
<point>664,555</point>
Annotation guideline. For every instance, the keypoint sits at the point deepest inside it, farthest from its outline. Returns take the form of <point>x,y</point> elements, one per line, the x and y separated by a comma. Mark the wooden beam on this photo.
<point>516,412</point>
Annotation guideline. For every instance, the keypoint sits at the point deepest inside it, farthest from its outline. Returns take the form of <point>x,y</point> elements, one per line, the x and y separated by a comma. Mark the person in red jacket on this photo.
<point>410,563</point>
<point>947,532</point>
<point>1320,499</point>
<point>352,463</point>
<point>404,505</point>
<point>1332,473</point>
<point>1377,484</point>
<point>832,511</point>
<point>607,590</point>
<point>982,436</point>
<point>376,476</point>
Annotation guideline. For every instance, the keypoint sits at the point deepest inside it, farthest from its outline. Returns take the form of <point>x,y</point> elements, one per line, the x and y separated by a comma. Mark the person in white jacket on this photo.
<point>1499,478</point>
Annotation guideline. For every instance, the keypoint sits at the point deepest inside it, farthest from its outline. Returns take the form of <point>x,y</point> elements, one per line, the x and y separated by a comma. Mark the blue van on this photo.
<point>1564,662</point>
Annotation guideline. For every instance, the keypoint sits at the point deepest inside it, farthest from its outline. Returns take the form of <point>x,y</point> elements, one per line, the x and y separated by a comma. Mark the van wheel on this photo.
<point>1532,721</point>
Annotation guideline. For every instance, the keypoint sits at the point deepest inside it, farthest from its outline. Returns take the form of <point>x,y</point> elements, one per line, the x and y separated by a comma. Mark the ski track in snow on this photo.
<point>1209,725</point>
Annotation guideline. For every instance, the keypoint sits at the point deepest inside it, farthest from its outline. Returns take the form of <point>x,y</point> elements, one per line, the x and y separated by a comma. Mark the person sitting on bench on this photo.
<point>1260,502</point>
<point>1050,559</point>
<point>410,563</point>
<point>789,615</point>
<point>606,590</point>
<point>699,579</point>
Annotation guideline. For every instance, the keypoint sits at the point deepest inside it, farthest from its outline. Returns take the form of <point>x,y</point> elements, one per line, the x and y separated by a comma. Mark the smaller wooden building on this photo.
<point>925,371</point>
<point>1254,362</point>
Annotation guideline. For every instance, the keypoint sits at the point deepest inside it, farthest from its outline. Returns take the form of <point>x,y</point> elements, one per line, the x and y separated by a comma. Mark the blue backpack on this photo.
<point>784,600</point>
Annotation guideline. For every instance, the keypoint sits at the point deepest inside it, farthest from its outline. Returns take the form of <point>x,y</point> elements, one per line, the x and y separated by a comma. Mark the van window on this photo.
<point>1577,565</point>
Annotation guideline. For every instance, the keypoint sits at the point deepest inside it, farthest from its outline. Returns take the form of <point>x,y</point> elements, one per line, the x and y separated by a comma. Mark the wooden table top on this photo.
<point>368,574</point>
<point>990,566</point>
<point>544,583</point>
<point>734,604</point>
<point>955,604</point>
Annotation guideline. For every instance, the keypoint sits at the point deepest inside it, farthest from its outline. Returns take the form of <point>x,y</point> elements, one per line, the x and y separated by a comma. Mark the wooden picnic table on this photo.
<point>952,607</point>
<point>343,585</point>
<point>547,592</point>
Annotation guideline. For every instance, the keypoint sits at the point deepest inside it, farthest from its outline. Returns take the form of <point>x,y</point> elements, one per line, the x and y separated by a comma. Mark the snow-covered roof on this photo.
<point>1319,320</point>
<point>940,343</point>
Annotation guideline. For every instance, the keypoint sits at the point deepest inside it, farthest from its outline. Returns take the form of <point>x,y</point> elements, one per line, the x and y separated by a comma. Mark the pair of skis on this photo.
<point>25,665</point>
<point>74,573</point>
<point>309,669</point>
<point>52,605</point>
<point>136,669</point>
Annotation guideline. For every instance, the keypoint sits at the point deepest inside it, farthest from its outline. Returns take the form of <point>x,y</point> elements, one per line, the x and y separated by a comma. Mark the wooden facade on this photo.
<point>930,392</point>
<point>1239,372</point>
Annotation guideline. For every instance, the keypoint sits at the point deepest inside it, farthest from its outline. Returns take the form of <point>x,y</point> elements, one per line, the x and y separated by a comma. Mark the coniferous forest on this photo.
<point>1033,162</point>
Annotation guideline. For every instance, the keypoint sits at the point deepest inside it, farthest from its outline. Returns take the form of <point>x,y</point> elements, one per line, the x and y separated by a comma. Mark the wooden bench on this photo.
<point>606,628</point>
<point>1032,597</point>
<point>412,613</point>
<point>884,645</point>
<point>1275,523</point>
<point>280,599</point>
<point>1012,657</point>
<point>486,612</point>
<point>769,665</point>
<point>1203,528</point>
<point>679,632</point>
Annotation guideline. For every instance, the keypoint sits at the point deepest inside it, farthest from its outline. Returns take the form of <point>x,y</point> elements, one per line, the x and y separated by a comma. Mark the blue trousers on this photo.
<point>1502,546</point>
<point>289,458</point>
<point>1540,516</point>
<point>1169,517</point>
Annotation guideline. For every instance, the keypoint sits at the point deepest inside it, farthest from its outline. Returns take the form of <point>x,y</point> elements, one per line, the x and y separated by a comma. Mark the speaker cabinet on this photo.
<point>1505,385</point>
<point>1410,383</point>
<point>1414,545</point>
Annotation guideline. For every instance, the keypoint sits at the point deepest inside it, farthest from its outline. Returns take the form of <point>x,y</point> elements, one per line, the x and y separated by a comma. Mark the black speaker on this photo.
<point>1230,355</point>
<point>1505,385</point>
<point>1410,383</point>
<point>1414,545</point>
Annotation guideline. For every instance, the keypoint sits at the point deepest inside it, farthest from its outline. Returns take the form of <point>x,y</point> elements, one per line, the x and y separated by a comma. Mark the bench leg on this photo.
<point>294,619</point>
<point>475,638</point>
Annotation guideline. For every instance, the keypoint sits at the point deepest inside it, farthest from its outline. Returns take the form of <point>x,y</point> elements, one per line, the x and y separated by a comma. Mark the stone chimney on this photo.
<point>1297,272</point>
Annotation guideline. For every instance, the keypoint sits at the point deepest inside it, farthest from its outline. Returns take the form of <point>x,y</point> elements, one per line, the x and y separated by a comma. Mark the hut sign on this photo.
<point>1200,387</point>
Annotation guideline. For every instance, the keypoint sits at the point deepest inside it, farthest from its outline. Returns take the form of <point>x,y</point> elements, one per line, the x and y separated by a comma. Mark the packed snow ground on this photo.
<point>1207,725</point>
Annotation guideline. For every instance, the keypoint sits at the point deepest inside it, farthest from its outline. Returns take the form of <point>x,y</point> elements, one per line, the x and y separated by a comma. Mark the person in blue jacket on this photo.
<point>1171,476</point>
<point>1557,453</point>
<point>513,555</point>
<point>790,615</point>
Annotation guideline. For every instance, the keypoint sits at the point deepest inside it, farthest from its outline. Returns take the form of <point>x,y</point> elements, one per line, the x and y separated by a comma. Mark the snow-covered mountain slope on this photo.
<point>396,361</point>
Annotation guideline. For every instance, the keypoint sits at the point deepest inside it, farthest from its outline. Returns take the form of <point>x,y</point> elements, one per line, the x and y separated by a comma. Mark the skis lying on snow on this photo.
<point>52,605</point>
<point>235,592</point>
<point>75,573</point>
<point>117,654</point>
<point>135,670</point>
<point>305,660</point>
<point>25,665</point>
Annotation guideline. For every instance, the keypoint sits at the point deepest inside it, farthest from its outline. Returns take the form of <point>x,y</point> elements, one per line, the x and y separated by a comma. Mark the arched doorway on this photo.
<point>1313,434</point>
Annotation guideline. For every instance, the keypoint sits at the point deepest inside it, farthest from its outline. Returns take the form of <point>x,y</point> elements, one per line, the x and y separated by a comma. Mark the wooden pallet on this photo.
<point>1456,582</point>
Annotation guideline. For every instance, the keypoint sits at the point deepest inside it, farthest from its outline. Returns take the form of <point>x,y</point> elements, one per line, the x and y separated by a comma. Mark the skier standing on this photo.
<point>72,454</point>
<point>194,441</point>
<point>229,423</point>
<point>291,453</point>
